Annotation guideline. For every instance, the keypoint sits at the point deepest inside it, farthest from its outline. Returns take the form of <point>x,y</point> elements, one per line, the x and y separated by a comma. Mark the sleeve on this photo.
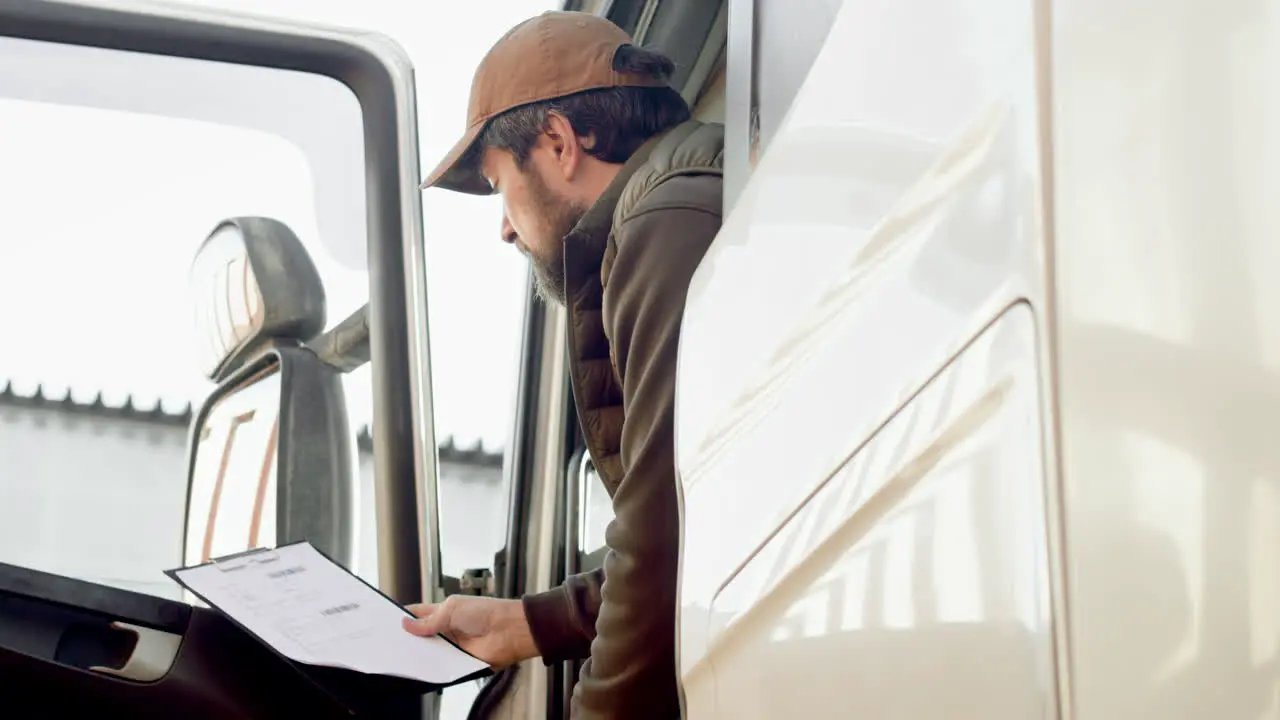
<point>562,620</point>
<point>632,671</point>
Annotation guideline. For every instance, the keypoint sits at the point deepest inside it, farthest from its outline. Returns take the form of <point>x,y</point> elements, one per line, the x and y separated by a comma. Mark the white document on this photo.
<point>311,610</point>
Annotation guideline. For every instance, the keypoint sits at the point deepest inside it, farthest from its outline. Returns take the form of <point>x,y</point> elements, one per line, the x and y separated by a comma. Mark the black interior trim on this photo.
<point>219,672</point>
<point>53,629</point>
<point>626,13</point>
<point>681,30</point>
<point>124,605</point>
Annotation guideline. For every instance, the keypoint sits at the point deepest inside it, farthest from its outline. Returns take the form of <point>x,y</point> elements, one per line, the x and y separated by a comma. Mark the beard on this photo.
<point>559,216</point>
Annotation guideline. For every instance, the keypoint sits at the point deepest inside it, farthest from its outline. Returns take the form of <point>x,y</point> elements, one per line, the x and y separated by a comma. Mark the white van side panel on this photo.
<point>1167,253</point>
<point>860,410</point>
<point>914,583</point>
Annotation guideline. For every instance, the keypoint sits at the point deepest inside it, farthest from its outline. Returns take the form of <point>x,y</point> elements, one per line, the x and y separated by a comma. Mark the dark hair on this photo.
<point>619,119</point>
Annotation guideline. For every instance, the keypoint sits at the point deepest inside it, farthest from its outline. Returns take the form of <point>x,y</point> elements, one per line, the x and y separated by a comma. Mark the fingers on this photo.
<point>421,609</point>
<point>429,620</point>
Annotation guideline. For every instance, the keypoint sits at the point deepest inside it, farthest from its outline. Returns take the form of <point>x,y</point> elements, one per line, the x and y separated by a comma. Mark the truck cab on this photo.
<point>974,383</point>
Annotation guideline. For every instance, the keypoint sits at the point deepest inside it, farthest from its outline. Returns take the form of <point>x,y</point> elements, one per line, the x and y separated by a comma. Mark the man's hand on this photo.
<point>495,631</point>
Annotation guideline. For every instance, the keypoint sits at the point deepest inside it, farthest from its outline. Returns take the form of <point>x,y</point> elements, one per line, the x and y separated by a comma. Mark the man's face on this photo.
<point>536,215</point>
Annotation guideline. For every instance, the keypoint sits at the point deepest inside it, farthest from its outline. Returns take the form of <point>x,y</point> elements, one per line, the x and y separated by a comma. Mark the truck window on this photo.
<point>114,169</point>
<point>475,326</point>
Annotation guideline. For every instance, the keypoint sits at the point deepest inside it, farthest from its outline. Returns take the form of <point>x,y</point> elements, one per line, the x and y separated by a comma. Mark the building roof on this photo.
<point>66,402</point>
<point>156,413</point>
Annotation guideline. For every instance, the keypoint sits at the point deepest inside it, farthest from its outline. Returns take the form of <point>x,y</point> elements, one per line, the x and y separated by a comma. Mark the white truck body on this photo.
<point>977,384</point>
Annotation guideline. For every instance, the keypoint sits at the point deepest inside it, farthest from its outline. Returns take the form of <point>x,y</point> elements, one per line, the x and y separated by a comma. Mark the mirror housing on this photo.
<point>270,454</point>
<point>252,282</point>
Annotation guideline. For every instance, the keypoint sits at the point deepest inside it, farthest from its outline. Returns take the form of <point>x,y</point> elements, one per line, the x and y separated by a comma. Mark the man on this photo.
<point>614,194</point>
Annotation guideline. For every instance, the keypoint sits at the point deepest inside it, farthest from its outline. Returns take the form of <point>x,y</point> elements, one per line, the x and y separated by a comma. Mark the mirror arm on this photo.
<point>346,346</point>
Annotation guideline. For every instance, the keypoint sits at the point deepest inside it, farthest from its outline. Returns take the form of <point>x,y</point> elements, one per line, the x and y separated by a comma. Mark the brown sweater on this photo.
<point>628,265</point>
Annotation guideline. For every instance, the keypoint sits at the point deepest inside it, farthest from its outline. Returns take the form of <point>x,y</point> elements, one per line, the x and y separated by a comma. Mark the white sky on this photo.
<point>103,210</point>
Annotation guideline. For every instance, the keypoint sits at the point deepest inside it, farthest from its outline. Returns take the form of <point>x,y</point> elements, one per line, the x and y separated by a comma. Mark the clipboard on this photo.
<point>362,694</point>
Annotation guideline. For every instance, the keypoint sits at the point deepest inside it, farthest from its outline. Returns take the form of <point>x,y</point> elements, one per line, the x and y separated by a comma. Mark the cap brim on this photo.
<point>454,173</point>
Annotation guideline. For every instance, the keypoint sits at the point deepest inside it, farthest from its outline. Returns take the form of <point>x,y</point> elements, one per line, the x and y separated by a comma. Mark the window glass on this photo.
<point>596,512</point>
<point>476,284</point>
<point>114,167</point>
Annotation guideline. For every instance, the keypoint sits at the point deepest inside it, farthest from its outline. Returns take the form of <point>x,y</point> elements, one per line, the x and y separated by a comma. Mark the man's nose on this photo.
<point>508,232</point>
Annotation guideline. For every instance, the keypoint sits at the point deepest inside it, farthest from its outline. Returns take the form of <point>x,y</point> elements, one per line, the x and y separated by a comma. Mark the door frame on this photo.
<point>381,76</point>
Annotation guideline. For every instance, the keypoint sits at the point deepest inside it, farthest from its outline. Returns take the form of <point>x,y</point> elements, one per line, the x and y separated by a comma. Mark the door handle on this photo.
<point>152,657</point>
<point>585,466</point>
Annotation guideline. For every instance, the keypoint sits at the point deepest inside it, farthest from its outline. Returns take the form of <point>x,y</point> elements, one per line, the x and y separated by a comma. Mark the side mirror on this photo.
<point>270,457</point>
<point>253,283</point>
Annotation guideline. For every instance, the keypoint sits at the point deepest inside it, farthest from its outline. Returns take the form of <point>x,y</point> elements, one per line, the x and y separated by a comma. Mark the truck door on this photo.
<point>865,488</point>
<point>126,136</point>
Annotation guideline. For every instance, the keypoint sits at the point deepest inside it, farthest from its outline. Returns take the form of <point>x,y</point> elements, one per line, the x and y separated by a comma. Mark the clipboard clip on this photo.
<point>240,560</point>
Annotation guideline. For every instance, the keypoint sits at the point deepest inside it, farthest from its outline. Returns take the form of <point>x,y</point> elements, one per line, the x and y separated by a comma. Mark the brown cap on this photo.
<point>549,56</point>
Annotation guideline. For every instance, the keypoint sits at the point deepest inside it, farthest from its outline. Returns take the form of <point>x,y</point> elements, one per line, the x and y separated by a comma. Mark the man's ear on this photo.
<point>565,145</point>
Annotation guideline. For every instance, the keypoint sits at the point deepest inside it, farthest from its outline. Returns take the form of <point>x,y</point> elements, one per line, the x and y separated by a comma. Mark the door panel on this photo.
<point>907,167</point>
<point>61,638</point>
<point>163,122</point>
<point>55,630</point>
<point>915,581</point>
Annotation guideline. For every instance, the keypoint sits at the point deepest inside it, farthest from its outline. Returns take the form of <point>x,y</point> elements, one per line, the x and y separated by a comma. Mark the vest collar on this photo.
<point>586,242</point>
